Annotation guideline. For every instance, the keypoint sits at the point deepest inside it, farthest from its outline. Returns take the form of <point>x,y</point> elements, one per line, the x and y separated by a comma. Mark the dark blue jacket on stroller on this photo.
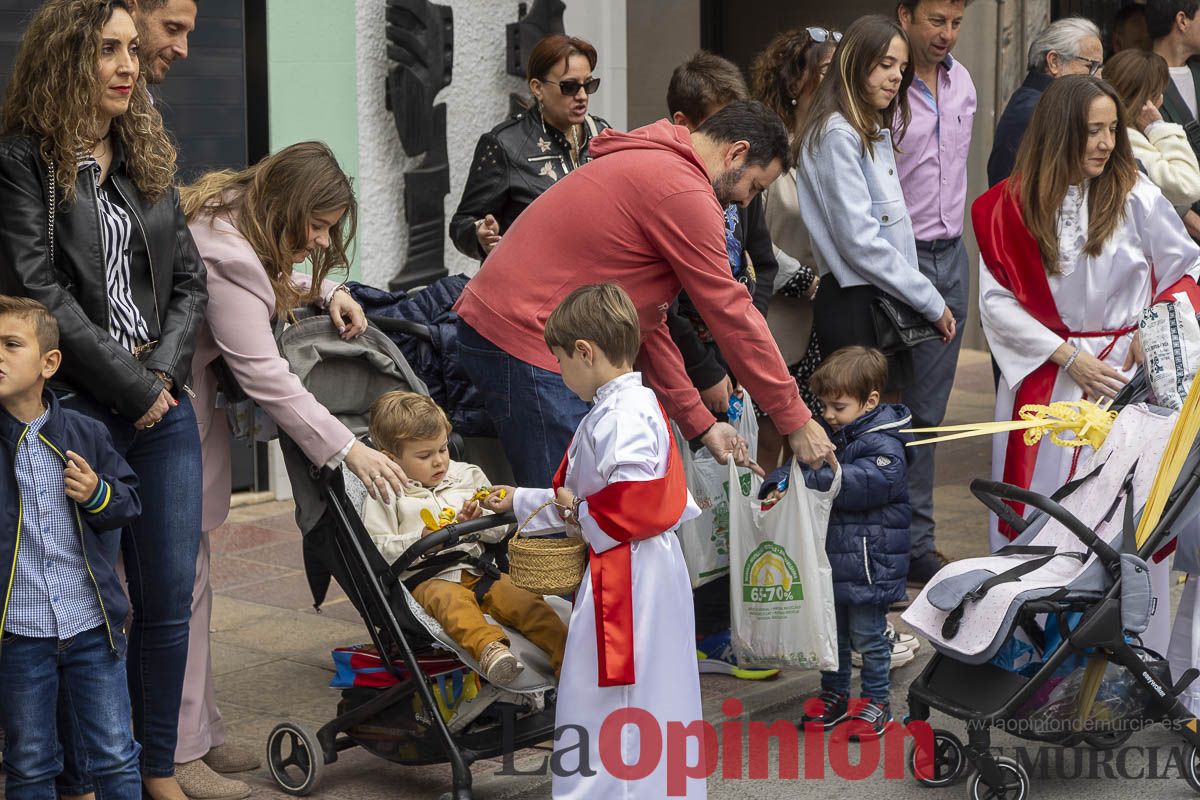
<point>435,361</point>
<point>868,539</point>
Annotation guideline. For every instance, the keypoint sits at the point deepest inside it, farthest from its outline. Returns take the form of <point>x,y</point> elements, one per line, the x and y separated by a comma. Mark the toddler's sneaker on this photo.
<point>901,655</point>
<point>869,721</point>
<point>715,655</point>
<point>499,664</point>
<point>900,637</point>
<point>831,709</point>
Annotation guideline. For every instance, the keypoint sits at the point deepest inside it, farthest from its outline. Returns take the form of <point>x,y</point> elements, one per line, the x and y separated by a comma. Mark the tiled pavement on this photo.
<point>271,649</point>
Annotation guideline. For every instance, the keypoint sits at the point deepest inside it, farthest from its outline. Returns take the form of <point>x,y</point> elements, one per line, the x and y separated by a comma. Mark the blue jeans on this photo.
<point>160,551</point>
<point>88,679</point>
<point>863,629</point>
<point>945,263</point>
<point>534,412</point>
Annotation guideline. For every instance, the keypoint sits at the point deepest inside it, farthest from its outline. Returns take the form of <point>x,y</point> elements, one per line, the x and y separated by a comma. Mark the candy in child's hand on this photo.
<point>483,492</point>
<point>427,518</point>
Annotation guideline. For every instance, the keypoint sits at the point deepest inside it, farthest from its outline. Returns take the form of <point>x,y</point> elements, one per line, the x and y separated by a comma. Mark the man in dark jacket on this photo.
<point>868,538</point>
<point>1175,28</point>
<point>1070,46</point>
<point>63,608</point>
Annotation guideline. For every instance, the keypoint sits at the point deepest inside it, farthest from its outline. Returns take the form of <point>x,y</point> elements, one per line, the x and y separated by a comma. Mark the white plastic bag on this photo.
<point>1171,340</point>
<point>781,588</point>
<point>705,539</point>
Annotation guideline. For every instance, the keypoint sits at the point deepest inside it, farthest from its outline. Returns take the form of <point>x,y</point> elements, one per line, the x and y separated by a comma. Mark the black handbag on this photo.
<point>898,326</point>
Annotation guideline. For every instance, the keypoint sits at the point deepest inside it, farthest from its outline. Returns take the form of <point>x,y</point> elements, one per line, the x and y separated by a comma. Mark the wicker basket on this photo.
<point>546,566</point>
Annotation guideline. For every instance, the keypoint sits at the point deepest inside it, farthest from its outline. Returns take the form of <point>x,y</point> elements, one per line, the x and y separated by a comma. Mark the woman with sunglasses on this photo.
<point>523,156</point>
<point>784,77</point>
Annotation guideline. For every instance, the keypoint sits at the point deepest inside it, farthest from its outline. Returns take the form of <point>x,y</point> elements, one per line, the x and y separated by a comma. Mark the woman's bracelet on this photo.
<point>1071,360</point>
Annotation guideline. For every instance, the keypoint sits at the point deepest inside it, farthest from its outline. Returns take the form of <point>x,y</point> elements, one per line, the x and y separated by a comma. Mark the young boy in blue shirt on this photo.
<point>868,538</point>
<point>61,606</point>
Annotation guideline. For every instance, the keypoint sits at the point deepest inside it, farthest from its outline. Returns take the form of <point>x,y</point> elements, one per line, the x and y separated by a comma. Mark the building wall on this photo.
<point>604,24</point>
<point>312,89</point>
<point>477,100</point>
<point>661,34</point>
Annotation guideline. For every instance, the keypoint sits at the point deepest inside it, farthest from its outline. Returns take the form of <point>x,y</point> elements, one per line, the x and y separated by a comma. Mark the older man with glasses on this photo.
<point>1070,46</point>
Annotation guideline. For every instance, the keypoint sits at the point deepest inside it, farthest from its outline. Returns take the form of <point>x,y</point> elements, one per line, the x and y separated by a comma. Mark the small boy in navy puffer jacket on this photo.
<point>868,539</point>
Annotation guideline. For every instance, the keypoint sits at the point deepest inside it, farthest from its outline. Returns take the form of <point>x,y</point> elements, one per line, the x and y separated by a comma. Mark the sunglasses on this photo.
<point>823,35</point>
<point>571,87</point>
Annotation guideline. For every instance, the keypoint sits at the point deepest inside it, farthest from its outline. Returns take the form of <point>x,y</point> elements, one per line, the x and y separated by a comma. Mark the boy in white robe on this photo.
<point>630,647</point>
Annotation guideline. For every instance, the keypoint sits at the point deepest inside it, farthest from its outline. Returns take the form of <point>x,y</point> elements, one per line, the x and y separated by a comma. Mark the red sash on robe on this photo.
<point>627,511</point>
<point>1014,258</point>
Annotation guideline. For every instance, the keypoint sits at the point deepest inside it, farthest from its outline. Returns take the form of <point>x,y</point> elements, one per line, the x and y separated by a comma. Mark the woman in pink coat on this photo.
<point>251,228</point>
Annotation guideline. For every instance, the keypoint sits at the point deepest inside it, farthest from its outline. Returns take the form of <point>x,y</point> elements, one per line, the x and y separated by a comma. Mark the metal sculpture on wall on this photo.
<point>542,18</point>
<point>420,49</point>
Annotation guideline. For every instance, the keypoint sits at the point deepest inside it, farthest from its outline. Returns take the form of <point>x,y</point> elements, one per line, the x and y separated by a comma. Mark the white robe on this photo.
<point>1149,251</point>
<point>624,438</point>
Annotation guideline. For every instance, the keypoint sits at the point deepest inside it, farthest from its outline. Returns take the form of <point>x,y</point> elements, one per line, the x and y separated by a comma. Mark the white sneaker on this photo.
<point>499,664</point>
<point>900,637</point>
<point>901,655</point>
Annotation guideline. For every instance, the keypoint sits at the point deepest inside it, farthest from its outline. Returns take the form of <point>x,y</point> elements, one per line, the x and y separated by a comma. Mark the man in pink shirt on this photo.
<point>646,213</point>
<point>932,159</point>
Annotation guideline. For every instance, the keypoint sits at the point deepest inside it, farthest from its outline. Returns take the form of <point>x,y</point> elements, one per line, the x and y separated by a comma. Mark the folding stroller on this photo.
<point>1076,565</point>
<point>412,721</point>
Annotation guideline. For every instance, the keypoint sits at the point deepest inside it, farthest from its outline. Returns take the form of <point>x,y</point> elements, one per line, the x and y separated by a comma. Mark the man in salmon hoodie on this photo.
<point>647,214</point>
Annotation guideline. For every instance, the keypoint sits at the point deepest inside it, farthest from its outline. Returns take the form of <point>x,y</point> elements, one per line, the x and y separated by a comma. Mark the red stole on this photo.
<point>627,511</point>
<point>1014,258</point>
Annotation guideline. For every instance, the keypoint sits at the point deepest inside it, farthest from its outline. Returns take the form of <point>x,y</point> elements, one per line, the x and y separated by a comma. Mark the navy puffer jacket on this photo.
<point>868,540</point>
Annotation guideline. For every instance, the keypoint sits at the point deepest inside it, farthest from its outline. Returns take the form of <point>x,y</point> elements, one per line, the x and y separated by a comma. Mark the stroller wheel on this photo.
<point>948,761</point>
<point>1014,783</point>
<point>295,758</point>
<point>1192,769</point>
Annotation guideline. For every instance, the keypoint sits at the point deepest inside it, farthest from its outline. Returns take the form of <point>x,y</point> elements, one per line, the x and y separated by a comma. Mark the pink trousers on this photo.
<point>200,725</point>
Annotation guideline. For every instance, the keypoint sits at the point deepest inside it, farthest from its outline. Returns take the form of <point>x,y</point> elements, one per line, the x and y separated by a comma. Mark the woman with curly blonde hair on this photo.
<point>252,228</point>
<point>90,226</point>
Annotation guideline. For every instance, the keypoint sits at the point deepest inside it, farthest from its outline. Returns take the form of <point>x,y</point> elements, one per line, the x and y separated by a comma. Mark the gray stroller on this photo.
<point>1074,571</point>
<point>409,721</point>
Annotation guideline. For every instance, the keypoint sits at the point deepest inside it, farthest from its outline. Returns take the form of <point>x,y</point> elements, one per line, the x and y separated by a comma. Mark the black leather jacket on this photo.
<point>518,160</point>
<point>166,274</point>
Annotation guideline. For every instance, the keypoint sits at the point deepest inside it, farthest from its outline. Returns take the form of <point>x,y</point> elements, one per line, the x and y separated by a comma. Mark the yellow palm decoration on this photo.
<point>1088,422</point>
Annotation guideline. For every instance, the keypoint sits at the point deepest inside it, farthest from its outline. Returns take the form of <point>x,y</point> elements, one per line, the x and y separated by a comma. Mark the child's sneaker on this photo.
<point>499,664</point>
<point>716,656</point>
<point>901,655</point>
<point>900,637</point>
<point>869,721</point>
<point>829,709</point>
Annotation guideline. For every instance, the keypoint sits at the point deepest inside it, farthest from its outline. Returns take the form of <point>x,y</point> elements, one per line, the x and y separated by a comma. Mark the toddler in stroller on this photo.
<point>429,705</point>
<point>455,587</point>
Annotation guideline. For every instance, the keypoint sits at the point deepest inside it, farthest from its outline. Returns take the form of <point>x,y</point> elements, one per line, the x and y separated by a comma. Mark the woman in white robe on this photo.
<point>1098,288</point>
<point>1092,293</point>
<point>624,437</point>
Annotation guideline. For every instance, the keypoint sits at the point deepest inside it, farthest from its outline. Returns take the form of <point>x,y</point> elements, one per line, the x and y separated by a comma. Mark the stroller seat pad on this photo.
<point>537,676</point>
<point>1139,436</point>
